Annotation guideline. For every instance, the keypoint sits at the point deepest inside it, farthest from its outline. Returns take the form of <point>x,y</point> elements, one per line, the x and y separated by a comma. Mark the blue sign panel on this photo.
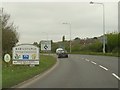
<point>26,57</point>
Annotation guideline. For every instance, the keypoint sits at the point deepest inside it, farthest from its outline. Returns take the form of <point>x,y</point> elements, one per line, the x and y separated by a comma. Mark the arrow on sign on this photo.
<point>45,47</point>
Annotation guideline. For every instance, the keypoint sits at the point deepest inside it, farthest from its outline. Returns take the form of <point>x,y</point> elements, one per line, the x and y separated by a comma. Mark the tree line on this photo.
<point>88,44</point>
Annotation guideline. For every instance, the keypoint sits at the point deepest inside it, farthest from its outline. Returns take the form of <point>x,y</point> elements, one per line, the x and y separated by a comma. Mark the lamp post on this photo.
<point>103,23</point>
<point>70,33</point>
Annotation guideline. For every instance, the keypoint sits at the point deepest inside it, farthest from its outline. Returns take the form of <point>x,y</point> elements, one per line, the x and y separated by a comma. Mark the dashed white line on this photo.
<point>116,76</point>
<point>93,62</point>
<point>103,67</point>
<point>87,60</point>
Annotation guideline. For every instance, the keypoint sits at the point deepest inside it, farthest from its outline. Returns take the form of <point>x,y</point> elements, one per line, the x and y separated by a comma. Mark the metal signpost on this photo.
<point>25,54</point>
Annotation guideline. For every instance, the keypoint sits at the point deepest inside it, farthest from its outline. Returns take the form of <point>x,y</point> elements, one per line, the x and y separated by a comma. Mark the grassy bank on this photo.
<point>97,53</point>
<point>13,75</point>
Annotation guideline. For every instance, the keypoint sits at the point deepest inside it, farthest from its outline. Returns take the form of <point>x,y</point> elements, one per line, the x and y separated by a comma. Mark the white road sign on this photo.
<point>7,58</point>
<point>46,45</point>
<point>25,54</point>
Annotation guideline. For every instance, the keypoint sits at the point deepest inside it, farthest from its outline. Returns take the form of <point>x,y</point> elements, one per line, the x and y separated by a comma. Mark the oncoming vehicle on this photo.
<point>62,53</point>
<point>58,50</point>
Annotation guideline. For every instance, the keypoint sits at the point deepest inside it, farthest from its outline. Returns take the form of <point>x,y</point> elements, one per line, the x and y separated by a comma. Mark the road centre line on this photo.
<point>87,60</point>
<point>103,67</point>
<point>116,76</point>
<point>93,62</point>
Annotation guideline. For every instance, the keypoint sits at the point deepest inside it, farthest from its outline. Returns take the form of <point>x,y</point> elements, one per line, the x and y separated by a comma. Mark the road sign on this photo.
<point>26,54</point>
<point>46,45</point>
<point>7,58</point>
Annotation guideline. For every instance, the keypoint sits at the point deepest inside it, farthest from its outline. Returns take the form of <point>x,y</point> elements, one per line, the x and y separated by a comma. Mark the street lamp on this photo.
<point>103,23</point>
<point>70,33</point>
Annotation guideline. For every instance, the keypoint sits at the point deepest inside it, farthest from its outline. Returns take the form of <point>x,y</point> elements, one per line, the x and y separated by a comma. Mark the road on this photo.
<point>80,71</point>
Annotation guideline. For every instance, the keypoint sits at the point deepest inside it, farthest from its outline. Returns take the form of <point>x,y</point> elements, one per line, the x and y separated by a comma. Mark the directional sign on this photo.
<point>46,45</point>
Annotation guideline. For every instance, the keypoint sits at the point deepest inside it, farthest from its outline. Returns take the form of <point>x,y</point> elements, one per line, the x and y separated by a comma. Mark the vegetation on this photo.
<point>113,39</point>
<point>14,74</point>
<point>91,45</point>
<point>9,34</point>
<point>112,45</point>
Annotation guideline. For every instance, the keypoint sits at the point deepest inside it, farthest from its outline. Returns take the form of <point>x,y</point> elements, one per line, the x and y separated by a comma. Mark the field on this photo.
<point>13,74</point>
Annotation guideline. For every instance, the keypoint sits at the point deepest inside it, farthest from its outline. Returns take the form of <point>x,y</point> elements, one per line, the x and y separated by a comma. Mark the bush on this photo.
<point>96,47</point>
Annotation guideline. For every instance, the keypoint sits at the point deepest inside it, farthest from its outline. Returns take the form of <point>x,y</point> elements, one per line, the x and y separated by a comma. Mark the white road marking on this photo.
<point>93,62</point>
<point>116,76</point>
<point>87,60</point>
<point>103,67</point>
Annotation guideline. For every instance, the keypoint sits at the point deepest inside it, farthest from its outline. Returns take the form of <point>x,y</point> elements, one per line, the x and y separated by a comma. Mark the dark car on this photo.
<point>62,54</point>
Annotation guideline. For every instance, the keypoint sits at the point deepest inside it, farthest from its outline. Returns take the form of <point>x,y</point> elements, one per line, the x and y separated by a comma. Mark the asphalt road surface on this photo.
<point>80,71</point>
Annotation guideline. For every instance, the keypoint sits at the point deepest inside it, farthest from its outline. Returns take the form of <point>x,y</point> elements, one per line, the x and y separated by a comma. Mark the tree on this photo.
<point>9,34</point>
<point>112,41</point>
<point>96,46</point>
<point>36,44</point>
<point>77,38</point>
<point>63,38</point>
<point>95,38</point>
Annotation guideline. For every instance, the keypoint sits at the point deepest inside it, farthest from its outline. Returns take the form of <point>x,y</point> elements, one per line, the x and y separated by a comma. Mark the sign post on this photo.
<point>25,54</point>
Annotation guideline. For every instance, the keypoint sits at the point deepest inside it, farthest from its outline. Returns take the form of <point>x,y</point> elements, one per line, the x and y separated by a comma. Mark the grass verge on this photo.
<point>14,74</point>
<point>97,53</point>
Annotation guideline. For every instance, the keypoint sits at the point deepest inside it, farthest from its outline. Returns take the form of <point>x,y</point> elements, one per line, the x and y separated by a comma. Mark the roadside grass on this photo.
<point>97,53</point>
<point>92,53</point>
<point>14,74</point>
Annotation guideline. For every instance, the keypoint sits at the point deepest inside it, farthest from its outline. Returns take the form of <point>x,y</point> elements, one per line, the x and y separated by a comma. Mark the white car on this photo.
<point>61,53</point>
<point>58,50</point>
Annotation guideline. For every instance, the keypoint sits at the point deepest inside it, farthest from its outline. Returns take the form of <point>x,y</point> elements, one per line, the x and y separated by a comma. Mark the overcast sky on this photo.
<point>43,20</point>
